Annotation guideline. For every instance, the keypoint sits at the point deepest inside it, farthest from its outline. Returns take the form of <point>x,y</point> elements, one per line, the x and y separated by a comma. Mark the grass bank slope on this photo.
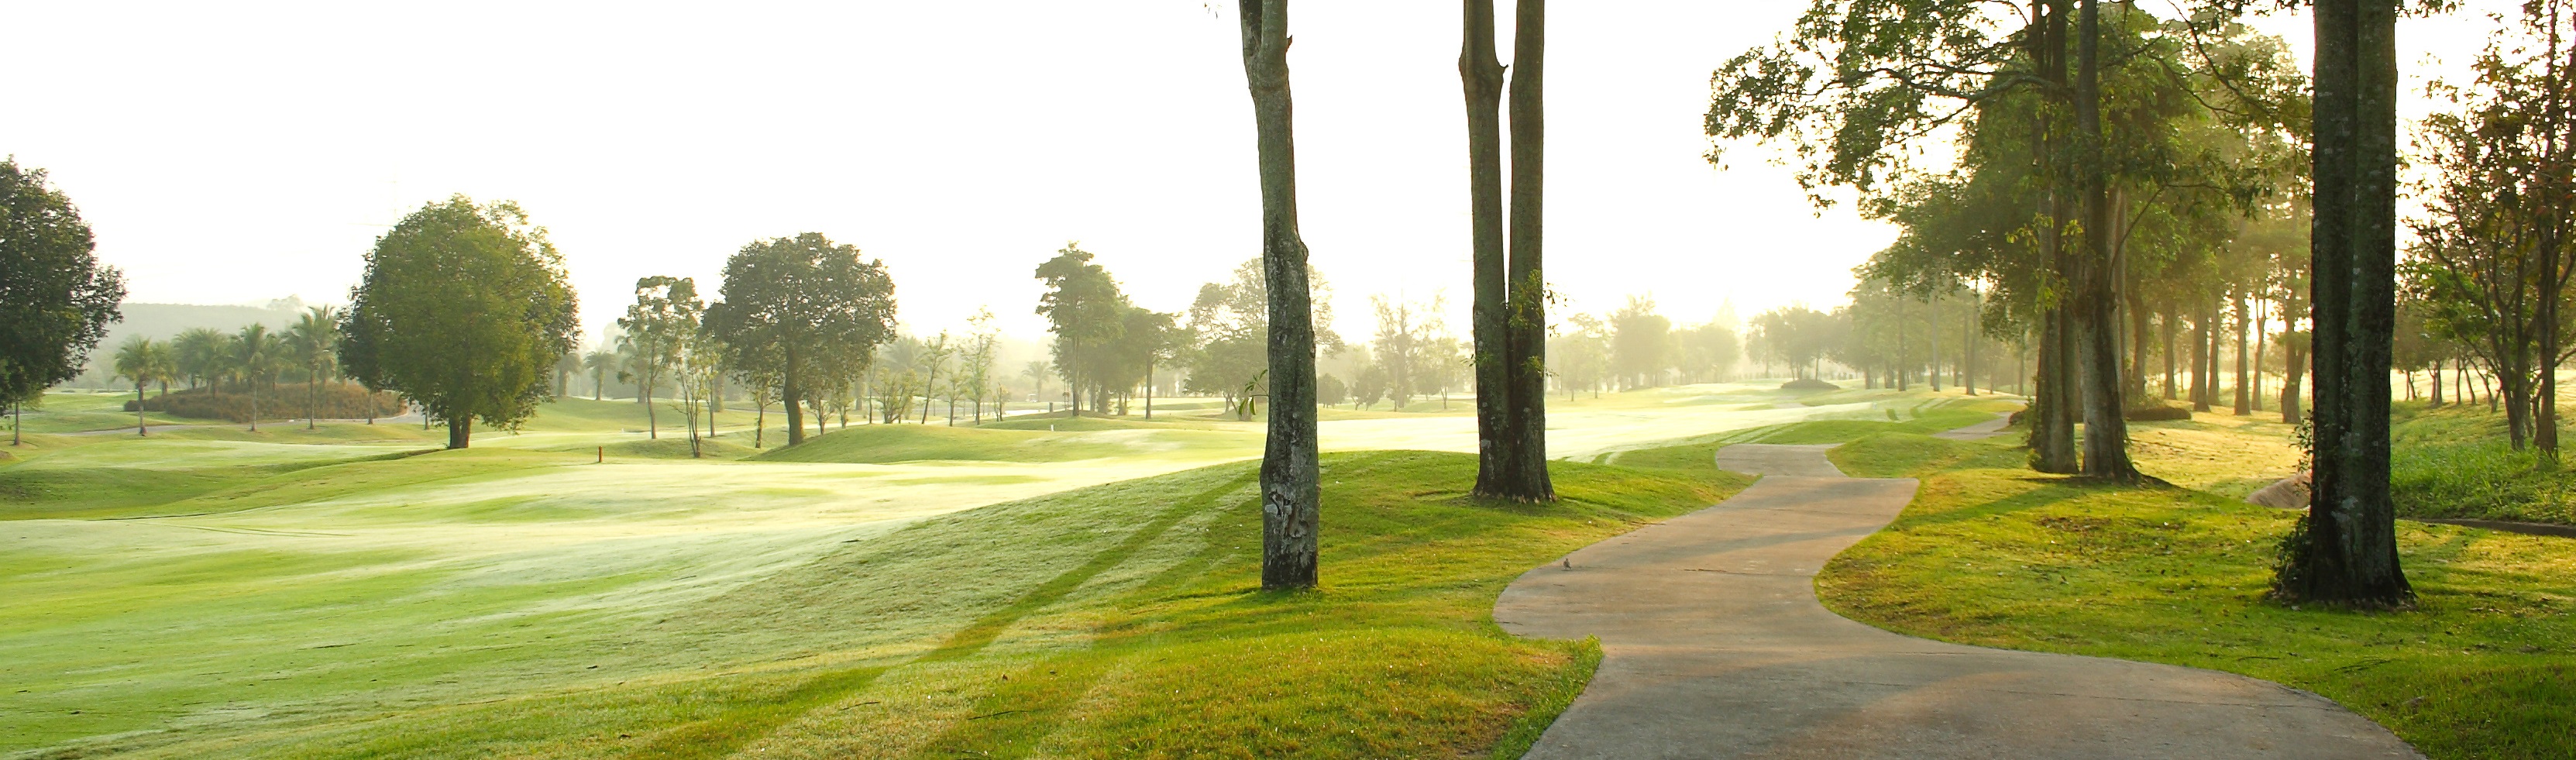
<point>1992,554</point>
<point>913,443</point>
<point>1115,621</point>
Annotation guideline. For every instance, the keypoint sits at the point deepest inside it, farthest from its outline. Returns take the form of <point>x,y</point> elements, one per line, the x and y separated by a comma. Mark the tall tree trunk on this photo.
<point>2165,327</point>
<point>2052,410</point>
<point>1527,321</point>
<point>2200,363</point>
<point>1290,494</point>
<point>1968,352</point>
<point>2136,387</point>
<point>141,428</point>
<point>2294,367</point>
<point>2350,552</point>
<point>1481,73</point>
<point>2106,431</point>
<point>460,430</point>
<point>1932,320</point>
<point>2437,383</point>
<point>787,396</point>
<point>2244,384</point>
<point>2262,324</point>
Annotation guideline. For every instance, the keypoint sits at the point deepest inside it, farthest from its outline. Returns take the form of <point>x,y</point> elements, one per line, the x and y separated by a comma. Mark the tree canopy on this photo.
<point>805,311</point>
<point>463,309</point>
<point>56,300</point>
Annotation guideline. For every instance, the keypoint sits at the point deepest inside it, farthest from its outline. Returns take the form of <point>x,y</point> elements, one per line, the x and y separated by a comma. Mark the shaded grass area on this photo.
<point>1993,555</point>
<point>136,477</point>
<point>1115,621</point>
<point>2457,461</point>
<point>1921,417</point>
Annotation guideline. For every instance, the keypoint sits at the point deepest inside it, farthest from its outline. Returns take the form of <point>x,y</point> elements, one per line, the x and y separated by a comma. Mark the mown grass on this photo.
<point>1912,413</point>
<point>1994,555</point>
<point>1115,621</point>
<point>1104,438</point>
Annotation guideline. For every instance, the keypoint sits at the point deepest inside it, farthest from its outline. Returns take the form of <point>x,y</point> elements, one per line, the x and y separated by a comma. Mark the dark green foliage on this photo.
<point>330,401</point>
<point>55,299</point>
<point>1087,313</point>
<point>463,310</point>
<point>805,312</point>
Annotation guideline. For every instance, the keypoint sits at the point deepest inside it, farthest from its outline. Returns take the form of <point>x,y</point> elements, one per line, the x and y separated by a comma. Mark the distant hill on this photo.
<point>159,321</point>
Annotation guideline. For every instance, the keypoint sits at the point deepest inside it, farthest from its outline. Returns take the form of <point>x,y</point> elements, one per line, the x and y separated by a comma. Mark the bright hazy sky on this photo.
<point>234,153</point>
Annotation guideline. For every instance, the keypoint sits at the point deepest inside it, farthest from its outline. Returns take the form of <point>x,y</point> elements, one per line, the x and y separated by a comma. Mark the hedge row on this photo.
<point>283,401</point>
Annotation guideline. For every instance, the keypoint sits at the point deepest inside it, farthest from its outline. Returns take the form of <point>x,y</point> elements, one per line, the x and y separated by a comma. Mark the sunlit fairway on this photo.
<point>208,585</point>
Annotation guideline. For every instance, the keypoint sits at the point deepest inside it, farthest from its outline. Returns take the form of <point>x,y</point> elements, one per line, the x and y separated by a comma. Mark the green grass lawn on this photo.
<point>1115,621</point>
<point>1991,554</point>
<point>881,591</point>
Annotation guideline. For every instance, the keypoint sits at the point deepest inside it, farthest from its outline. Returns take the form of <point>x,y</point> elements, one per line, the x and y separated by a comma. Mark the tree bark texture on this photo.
<point>1482,75</point>
<point>2349,555</point>
<point>1527,321</point>
<point>2052,411</point>
<point>2106,431</point>
<point>460,432</point>
<point>1290,495</point>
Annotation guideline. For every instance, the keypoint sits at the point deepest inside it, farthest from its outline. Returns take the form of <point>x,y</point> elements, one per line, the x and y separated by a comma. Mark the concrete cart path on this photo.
<point>1714,647</point>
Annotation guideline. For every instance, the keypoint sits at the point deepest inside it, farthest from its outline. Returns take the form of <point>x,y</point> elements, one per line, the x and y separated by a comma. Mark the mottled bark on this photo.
<point>2052,411</point>
<point>1482,75</point>
<point>1527,323</point>
<point>1290,495</point>
<point>2349,555</point>
<point>2097,323</point>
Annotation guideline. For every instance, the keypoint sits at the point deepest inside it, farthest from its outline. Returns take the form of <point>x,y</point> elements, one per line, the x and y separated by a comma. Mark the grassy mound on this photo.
<point>1997,557</point>
<point>1061,423</point>
<point>1115,621</point>
<point>129,476</point>
<point>1911,455</point>
<point>910,443</point>
<point>1923,417</point>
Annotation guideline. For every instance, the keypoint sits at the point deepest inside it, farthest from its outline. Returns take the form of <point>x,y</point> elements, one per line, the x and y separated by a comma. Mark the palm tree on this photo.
<point>200,354</point>
<point>309,342</point>
<point>599,361</point>
<point>255,357</point>
<point>140,360</point>
<point>565,367</point>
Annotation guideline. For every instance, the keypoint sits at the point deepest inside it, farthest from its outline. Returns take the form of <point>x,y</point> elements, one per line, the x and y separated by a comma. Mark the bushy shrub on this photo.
<point>2486,480</point>
<point>285,401</point>
<point>2157,413</point>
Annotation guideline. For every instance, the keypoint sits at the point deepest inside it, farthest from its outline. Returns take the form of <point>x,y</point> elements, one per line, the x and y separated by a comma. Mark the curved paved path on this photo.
<point>1714,647</point>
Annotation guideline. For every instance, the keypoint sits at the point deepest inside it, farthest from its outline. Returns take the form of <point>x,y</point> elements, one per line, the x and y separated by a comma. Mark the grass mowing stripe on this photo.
<point>975,636</point>
<point>729,730</point>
